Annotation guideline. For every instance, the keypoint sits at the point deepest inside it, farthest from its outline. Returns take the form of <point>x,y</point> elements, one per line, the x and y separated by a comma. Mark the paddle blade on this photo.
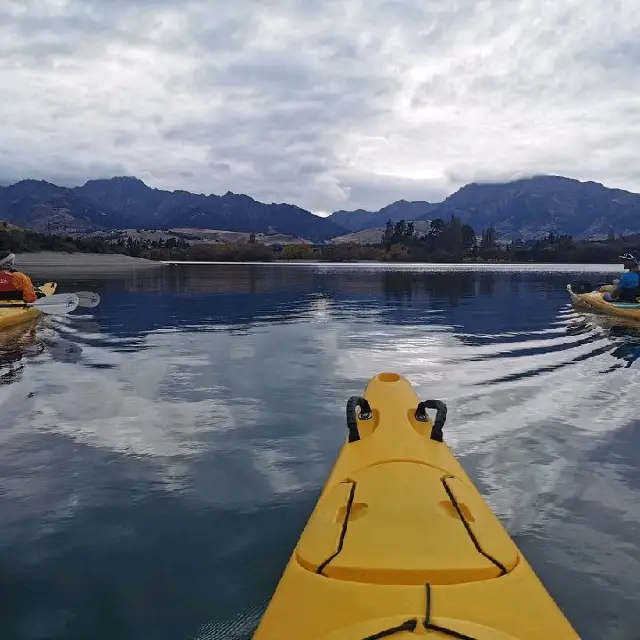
<point>57,304</point>
<point>88,299</point>
<point>581,286</point>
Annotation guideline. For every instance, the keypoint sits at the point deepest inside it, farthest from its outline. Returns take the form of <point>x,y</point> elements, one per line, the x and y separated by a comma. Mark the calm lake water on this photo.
<point>161,453</point>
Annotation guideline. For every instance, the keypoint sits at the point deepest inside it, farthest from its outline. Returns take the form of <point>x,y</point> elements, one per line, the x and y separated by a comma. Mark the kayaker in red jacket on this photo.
<point>15,285</point>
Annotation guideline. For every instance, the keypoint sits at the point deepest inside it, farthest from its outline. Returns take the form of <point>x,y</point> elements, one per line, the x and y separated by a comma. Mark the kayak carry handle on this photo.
<point>441,416</point>
<point>352,418</point>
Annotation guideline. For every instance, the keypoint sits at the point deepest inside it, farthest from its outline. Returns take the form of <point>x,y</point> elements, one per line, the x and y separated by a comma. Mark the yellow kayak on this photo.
<point>12,317</point>
<point>401,543</point>
<point>594,300</point>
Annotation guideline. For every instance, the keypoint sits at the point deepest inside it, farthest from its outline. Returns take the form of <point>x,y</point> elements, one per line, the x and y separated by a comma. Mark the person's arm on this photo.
<point>22,283</point>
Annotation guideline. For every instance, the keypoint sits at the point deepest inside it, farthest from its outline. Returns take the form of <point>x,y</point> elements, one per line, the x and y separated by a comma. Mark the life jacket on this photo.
<point>630,294</point>
<point>8,289</point>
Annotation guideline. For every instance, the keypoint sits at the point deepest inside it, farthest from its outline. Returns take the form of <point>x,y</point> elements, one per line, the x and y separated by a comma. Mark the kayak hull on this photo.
<point>21,314</point>
<point>594,301</point>
<point>401,542</point>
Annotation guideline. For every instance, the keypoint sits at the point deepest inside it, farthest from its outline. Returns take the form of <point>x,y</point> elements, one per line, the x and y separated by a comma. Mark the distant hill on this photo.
<point>373,236</point>
<point>147,207</point>
<point>533,207</point>
<point>527,209</point>
<point>124,202</point>
<point>45,207</point>
<point>400,210</point>
<point>191,235</point>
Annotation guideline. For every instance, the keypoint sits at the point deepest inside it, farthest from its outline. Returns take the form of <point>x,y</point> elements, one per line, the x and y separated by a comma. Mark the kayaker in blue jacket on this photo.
<point>628,286</point>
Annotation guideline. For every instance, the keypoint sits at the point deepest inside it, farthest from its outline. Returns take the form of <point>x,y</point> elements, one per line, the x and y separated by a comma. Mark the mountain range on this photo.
<point>525,208</point>
<point>126,202</point>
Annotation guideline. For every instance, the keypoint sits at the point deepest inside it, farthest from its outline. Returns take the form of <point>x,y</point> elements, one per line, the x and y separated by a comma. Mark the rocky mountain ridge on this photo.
<point>527,208</point>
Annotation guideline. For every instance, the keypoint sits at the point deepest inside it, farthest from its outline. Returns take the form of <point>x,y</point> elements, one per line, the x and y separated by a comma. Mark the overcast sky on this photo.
<point>327,104</point>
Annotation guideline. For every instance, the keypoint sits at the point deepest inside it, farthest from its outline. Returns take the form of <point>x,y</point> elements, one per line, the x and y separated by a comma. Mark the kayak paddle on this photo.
<point>88,299</point>
<point>57,304</point>
<point>585,286</point>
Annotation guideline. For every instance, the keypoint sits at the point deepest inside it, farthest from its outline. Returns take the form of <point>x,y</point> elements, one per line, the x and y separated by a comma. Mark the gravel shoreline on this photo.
<point>82,263</point>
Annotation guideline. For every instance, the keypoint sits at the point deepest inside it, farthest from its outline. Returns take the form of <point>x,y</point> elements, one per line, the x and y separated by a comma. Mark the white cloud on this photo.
<point>326,105</point>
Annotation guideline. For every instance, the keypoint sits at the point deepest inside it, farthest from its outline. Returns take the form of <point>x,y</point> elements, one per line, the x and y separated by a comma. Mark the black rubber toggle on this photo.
<point>352,422</point>
<point>441,416</point>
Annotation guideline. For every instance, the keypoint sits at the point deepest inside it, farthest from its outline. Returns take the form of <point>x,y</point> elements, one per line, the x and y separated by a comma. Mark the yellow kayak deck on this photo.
<point>11,317</point>
<point>401,543</point>
<point>594,300</point>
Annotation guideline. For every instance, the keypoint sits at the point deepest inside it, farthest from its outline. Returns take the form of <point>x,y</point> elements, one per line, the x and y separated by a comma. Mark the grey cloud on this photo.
<point>221,167</point>
<point>35,32</point>
<point>327,105</point>
<point>374,195</point>
<point>60,170</point>
<point>123,139</point>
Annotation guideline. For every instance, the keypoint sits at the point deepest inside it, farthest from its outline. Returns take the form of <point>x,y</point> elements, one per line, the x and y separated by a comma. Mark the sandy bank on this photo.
<point>77,263</point>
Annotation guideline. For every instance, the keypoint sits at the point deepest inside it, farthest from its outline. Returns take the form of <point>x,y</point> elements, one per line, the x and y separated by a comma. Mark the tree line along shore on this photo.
<point>446,241</point>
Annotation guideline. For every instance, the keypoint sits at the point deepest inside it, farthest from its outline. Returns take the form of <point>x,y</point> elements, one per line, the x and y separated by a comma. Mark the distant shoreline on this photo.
<point>76,263</point>
<point>72,264</point>
<point>561,267</point>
